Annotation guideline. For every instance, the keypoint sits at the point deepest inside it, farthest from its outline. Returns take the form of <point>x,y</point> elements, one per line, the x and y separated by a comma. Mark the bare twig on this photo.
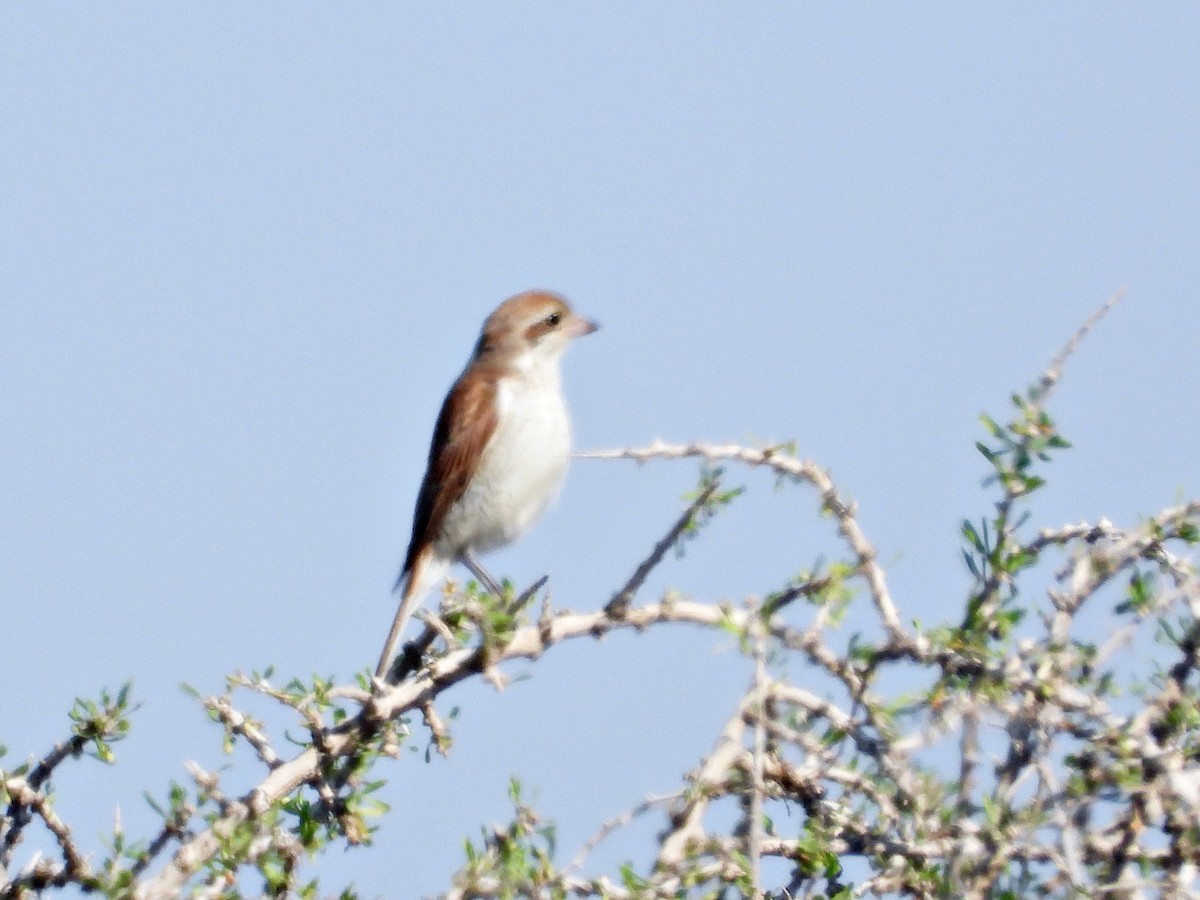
<point>620,601</point>
<point>758,692</point>
<point>75,868</point>
<point>19,811</point>
<point>611,825</point>
<point>526,595</point>
<point>1054,371</point>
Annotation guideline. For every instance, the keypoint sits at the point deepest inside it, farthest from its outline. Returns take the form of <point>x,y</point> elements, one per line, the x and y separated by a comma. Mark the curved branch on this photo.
<point>802,470</point>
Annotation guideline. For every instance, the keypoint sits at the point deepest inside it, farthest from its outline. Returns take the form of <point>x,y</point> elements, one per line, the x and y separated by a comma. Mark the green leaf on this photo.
<point>972,536</point>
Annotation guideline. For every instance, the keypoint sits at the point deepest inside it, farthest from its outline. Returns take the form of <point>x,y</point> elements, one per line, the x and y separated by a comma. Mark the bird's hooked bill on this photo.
<point>582,326</point>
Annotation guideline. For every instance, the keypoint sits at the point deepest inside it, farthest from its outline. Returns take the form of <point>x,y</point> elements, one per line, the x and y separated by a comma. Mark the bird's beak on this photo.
<point>581,326</point>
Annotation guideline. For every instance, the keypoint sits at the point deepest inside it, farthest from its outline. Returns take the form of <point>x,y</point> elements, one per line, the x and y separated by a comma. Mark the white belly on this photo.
<point>520,472</point>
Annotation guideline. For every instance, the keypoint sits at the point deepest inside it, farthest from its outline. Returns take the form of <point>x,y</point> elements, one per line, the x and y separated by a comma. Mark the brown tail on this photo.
<point>425,570</point>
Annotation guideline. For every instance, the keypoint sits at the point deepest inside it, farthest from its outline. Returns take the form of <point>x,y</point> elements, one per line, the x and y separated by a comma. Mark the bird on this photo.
<point>499,451</point>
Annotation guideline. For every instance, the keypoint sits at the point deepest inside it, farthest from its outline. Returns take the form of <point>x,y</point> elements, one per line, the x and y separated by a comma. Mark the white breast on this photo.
<point>522,467</point>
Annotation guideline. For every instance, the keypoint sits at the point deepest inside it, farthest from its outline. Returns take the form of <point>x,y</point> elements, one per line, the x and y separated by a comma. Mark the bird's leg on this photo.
<point>484,578</point>
<point>481,574</point>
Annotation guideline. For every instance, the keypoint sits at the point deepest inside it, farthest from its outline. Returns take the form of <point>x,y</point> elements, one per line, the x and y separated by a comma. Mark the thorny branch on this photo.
<point>1011,750</point>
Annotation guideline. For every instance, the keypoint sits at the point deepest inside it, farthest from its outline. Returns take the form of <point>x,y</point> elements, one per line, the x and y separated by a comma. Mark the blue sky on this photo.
<point>246,248</point>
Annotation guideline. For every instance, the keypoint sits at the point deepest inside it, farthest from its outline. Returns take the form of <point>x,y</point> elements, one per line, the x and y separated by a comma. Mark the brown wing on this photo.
<point>465,425</point>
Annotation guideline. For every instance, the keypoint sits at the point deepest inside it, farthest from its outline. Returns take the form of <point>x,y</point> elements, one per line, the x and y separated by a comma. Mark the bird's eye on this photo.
<point>553,319</point>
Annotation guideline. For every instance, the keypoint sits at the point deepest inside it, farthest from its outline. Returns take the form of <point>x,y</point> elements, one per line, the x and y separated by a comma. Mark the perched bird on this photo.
<point>499,451</point>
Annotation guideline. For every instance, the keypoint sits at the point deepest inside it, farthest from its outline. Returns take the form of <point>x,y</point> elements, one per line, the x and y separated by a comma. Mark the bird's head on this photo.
<point>531,328</point>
